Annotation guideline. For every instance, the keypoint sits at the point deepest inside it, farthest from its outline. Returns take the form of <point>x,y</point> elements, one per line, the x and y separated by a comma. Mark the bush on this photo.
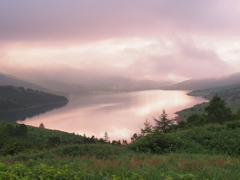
<point>156,142</point>
<point>12,147</point>
<point>208,139</point>
<point>21,130</point>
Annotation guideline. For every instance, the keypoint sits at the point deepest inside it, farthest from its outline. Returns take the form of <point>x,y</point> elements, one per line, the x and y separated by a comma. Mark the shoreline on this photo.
<point>13,110</point>
<point>178,118</point>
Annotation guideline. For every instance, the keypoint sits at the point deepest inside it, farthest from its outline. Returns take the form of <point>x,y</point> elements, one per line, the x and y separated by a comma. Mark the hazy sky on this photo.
<point>136,38</point>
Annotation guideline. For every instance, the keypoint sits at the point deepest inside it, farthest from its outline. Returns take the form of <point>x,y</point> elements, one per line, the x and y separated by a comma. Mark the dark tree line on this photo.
<point>18,97</point>
<point>19,130</point>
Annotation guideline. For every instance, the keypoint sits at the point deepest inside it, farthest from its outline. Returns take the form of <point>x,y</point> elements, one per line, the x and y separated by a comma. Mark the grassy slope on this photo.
<point>105,161</point>
<point>41,136</point>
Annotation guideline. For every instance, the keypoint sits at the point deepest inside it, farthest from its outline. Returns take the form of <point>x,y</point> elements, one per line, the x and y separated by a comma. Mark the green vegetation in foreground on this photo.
<point>97,162</point>
<point>13,98</point>
<point>203,148</point>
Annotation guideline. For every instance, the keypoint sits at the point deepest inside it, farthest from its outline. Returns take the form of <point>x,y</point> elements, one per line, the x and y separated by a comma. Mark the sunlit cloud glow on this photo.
<point>137,39</point>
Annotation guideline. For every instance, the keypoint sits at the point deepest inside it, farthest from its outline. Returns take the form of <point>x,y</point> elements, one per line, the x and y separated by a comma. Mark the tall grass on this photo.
<point>92,162</point>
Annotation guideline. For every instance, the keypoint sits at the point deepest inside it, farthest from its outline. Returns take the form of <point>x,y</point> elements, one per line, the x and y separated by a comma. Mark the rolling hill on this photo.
<point>8,80</point>
<point>14,98</point>
<point>113,84</point>
<point>197,84</point>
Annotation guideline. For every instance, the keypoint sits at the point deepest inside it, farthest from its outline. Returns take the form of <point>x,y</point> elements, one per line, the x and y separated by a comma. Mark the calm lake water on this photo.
<point>120,115</point>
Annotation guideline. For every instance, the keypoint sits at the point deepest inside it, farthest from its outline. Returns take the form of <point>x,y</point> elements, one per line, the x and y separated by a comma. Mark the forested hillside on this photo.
<point>13,98</point>
<point>230,94</point>
<point>225,92</point>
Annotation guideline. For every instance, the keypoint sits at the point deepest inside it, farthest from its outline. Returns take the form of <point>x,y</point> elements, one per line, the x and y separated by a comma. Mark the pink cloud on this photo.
<point>189,62</point>
<point>82,21</point>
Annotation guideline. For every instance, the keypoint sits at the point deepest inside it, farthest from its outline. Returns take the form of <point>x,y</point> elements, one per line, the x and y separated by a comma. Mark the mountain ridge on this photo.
<point>198,84</point>
<point>10,80</point>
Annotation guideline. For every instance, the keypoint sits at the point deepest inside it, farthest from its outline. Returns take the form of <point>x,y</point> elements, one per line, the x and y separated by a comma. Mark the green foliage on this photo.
<point>12,98</point>
<point>233,125</point>
<point>217,112</point>
<point>39,171</point>
<point>134,137</point>
<point>106,151</point>
<point>106,161</point>
<point>54,141</point>
<point>206,139</point>
<point>211,139</point>
<point>121,164</point>
<point>4,134</point>
<point>156,142</point>
<point>39,139</point>
<point>21,130</point>
<point>13,146</point>
<point>148,128</point>
<point>230,94</point>
<point>195,120</point>
<point>10,129</point>
<point>163,124</point>
<point>106,137</point>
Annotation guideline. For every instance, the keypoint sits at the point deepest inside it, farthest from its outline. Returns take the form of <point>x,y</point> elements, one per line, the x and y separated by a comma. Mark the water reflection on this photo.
<point>21,115</point>
<point>119,114</point>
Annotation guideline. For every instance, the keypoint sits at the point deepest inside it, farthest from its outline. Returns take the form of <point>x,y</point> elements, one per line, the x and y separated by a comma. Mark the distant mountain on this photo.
<point>8,80</point>
<point>197,84</point>
<point>113,84</point>
<point>70,88</point>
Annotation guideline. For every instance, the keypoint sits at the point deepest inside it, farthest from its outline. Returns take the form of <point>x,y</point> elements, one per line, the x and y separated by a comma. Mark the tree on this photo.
<point>124,142</point>
<point>42,126</point>
<point>134,137</point>
<point>217,112</point>
<point>148,128</point>
<point>4,134</point>
<point>195,120</point>
<point>106,138</point>
<point>114,142</point>
<point>54,141</point>
<point>21,130</point>
<point>10,129</point>
<point>163,124</point>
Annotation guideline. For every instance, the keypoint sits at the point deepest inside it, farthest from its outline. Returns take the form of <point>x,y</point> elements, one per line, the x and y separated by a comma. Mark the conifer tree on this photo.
<point>106,138</point>
<point>163,123</point>
<point>148,128</point>
<point>217,112</point>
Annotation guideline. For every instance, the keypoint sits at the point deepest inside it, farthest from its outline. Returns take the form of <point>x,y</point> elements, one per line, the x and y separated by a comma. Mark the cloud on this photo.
<point>187,61</point>
<point>139,58</point>
<point>135,38</point>
<point>84,21</point>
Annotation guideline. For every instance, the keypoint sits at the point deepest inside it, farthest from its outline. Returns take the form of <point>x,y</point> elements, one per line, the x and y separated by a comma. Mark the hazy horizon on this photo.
<point>140,39</point>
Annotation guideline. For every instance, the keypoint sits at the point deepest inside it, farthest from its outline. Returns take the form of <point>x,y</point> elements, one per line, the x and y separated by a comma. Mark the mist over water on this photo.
<point>120,115</point>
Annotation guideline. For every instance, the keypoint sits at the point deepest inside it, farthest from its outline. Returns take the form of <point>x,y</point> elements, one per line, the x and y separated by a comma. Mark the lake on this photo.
<point>120,115</point>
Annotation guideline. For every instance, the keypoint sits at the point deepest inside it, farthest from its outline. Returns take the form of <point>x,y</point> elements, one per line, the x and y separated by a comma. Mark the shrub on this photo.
<point>156,142</point>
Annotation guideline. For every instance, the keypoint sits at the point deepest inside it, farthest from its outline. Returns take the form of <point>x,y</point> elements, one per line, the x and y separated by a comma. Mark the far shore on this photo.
<point>19,109</point>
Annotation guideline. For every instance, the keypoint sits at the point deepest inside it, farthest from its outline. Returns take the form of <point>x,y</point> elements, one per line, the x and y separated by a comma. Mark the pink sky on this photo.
<point>137,38</point>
